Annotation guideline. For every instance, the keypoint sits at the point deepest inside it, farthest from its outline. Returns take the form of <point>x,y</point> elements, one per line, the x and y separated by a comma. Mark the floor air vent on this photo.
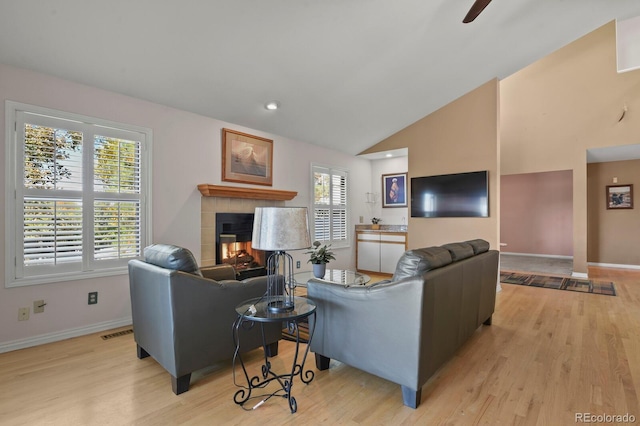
<point>117,334</point>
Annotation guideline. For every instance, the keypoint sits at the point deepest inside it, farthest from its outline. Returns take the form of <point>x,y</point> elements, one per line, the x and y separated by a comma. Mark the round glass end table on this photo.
<point>338,276</point>
<point>257,311</point>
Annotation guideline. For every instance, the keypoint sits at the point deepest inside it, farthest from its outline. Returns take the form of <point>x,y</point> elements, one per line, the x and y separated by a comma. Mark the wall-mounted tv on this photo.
<point>454,195</point>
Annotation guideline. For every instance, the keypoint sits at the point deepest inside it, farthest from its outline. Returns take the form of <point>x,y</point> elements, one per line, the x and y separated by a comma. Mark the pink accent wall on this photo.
<point>537,213</point>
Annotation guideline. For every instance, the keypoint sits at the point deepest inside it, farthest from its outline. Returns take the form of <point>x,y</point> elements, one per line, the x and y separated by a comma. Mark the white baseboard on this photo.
<point>62,335</point>
<point>614,265</point>
<point>553,256</point>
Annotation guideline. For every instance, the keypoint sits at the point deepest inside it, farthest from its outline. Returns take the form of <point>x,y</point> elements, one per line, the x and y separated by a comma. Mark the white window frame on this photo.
<point>15,193</point>
<point>332,170</point>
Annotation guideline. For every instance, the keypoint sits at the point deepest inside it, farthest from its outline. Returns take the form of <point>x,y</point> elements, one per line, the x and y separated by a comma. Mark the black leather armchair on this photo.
<point>184,319</point>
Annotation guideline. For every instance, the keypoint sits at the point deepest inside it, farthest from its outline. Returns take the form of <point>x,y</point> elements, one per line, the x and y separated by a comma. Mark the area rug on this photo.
<point>559,283</point>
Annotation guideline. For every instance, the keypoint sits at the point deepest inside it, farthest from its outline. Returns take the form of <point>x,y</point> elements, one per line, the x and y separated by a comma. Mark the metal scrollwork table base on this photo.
<point>255,311</point>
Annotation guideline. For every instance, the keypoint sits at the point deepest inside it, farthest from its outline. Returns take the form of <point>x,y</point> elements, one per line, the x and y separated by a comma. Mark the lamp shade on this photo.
<point>280,229</point>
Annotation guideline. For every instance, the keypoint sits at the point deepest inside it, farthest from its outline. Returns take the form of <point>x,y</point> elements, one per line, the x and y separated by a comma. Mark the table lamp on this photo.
<point>279,229</point>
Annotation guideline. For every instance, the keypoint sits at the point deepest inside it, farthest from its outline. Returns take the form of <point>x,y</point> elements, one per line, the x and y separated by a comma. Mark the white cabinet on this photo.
<point>379,251</point>
<point>389,255</point>
<point>368,256</point>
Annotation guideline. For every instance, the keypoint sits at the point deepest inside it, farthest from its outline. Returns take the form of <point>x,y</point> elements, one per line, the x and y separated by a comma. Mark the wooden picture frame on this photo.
<point>394,190</point>
<point>619,197</point>
<point>246,158</point>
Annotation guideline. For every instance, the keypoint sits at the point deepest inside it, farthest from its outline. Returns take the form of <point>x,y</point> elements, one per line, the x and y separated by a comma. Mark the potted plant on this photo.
<point>319,257</point>
<point>375,221</point>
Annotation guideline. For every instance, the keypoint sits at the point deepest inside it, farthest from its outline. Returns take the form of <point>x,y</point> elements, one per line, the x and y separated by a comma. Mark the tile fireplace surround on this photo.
<point>210,205</point>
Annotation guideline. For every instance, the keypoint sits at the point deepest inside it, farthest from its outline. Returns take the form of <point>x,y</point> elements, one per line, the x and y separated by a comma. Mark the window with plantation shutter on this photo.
<point>330,205</point>
<point>79,195</point>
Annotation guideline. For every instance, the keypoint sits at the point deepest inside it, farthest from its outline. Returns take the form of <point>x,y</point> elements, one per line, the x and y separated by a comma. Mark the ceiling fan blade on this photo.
<point>475,10</point>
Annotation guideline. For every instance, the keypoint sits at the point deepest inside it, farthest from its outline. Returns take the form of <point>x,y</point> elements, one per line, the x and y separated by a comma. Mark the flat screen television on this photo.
<point>454,195</point>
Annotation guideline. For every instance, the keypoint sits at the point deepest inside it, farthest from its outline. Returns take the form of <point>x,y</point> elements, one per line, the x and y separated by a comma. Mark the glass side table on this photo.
<point>255,311</point>
<point>338,276</point>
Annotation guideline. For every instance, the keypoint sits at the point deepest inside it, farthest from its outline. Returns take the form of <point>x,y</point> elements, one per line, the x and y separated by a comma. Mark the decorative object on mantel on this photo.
<point>620,196</point>
<point>375,222</point>
<point>208,190</point>
<point>246,158</point>
<point>394,190</point>
<point>319,258</point>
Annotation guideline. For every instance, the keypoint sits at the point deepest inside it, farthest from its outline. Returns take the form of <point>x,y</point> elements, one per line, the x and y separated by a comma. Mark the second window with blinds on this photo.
<point>330,205</point>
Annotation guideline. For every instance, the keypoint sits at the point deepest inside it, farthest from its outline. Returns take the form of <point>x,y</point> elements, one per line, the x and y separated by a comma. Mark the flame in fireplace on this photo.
<point>241,255</point>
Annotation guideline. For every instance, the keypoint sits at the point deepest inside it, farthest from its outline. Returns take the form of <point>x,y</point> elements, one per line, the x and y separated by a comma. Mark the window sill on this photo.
<point>54,278</point>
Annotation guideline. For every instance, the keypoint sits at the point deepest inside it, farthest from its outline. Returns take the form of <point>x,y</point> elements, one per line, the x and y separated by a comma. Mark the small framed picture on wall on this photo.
<point>394,190</point>
<point>620,196</point>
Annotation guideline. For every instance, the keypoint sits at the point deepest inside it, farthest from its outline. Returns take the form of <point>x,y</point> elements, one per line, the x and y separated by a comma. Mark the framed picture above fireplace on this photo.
<point>246,158</point>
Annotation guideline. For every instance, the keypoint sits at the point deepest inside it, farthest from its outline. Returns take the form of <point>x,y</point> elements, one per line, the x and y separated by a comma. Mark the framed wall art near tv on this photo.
<point>394,190</point>
<point>620,196</point>
<point>246,158</point>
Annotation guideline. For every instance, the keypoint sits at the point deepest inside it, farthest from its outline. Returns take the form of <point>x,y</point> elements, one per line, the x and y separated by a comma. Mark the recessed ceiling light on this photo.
<point>389,155</point>
<point>272,105</point>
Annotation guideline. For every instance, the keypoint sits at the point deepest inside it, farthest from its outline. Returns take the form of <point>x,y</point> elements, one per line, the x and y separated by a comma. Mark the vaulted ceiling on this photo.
<point>347,73</point>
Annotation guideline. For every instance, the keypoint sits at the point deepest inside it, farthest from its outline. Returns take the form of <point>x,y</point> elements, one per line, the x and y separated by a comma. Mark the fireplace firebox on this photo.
<point>233,245</point>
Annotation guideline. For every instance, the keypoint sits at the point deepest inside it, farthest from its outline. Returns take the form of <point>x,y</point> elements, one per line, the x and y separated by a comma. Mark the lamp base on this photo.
<point>278,306</point>
<point>280,283</point>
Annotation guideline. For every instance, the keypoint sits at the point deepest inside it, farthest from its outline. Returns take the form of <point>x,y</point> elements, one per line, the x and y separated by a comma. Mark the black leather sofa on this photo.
<point>405,328</point>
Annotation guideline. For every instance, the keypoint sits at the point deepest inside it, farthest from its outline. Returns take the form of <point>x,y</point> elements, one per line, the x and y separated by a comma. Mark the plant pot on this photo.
<point>319,269</point>
<point>375,226</point>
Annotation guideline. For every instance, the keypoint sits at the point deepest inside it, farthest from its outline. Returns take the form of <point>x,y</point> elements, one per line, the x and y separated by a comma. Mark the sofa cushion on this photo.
<point>219,272</point>
<point>419,261</point>
<point>459,251</point>
<point>479,245</point>
<point>171,257</point>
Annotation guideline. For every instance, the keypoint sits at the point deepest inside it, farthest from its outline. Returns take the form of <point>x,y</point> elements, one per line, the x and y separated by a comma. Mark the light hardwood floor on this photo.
<point>548,355</point>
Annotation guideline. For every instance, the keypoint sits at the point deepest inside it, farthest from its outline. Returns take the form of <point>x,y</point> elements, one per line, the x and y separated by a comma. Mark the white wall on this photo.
<point>389,215</point>
<point>186,152</point>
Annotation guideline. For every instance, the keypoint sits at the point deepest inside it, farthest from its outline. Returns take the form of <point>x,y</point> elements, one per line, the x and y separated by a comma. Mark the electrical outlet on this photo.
<point>23,314</point>
<point>93,298</point>
<point>38,306</point>
<point>298,264</point>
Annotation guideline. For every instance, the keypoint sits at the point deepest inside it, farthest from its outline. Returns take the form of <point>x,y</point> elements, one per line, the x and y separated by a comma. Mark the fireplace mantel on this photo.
<point>208,190</point>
